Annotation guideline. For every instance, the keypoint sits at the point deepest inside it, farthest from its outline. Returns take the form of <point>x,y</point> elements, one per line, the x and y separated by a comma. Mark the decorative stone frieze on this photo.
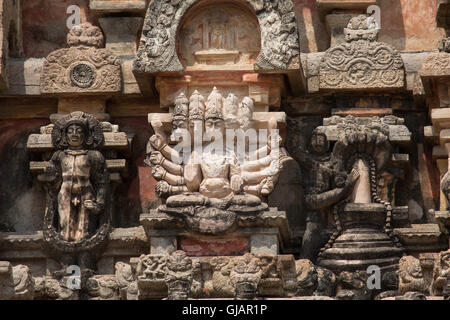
<point>83,68</point>
<point>362,62</point>
<point>280,50</point>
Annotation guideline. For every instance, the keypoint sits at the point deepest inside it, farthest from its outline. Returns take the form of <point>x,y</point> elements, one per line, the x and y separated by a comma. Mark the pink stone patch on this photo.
<point>215,247</point>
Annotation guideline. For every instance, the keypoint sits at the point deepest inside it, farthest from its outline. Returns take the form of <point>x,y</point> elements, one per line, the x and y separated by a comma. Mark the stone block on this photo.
<point>162,245</point>
<point>264,244</point>
<point>121,34</point>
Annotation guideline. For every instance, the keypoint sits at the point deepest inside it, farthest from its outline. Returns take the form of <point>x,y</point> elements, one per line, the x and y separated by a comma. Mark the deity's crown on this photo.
<point>214,105</point>
<point>181,110</point>
<point>77,117</point>
<point>196,106</point>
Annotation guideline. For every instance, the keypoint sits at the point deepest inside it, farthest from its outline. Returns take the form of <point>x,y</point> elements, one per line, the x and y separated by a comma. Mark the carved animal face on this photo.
<point>75,135</point>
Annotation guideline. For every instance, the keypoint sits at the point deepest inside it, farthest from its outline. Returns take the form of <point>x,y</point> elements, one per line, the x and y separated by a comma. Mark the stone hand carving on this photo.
<point>361,62</point>
<point>441,274</point>
<point>83,67</point>
<point>279,36</point>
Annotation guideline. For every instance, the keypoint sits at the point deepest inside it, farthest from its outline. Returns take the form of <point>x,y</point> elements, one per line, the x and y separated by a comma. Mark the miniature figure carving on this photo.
<point>441,273</point>
<point>410,276</point>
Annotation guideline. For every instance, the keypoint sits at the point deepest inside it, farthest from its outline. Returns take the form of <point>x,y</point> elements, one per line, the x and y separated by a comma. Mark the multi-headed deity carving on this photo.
<point>211,178</point>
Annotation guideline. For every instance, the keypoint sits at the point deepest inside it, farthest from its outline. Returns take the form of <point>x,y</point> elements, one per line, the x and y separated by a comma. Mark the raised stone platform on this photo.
<point>265,233</point>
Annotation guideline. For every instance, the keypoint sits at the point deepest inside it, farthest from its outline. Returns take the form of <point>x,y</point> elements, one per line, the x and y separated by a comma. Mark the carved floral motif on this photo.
<point>362,62</point>
<point>82,68</point>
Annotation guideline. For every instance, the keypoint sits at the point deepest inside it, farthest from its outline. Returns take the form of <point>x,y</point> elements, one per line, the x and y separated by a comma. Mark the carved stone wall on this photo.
<point>280,49</point>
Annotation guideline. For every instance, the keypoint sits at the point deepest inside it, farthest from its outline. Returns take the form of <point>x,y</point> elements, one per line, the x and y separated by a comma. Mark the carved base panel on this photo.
<point>239,242</point>
<point>363,241</point>
<point>261,233</point>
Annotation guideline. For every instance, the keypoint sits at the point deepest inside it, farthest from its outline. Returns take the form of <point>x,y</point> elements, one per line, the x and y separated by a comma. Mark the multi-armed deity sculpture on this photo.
<point>205,180</point>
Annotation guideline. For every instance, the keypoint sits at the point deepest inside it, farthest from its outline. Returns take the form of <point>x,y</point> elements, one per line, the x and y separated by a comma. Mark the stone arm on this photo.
<point>326,199</point>
<point>193,174</point>
<point>52,173</point>
<point>157,159</point>
<point>236,180</point>
<point>159,173</point>
<point>159,144</point>
<point>99,178</point>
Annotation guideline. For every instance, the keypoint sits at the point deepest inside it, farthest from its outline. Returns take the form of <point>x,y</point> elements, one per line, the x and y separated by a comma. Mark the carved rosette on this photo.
<point>279,36</point>
<point>82,68</point>
<point>362,62</point>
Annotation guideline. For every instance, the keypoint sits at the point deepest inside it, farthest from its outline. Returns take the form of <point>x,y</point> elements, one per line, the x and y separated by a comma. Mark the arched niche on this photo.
<point>226,33</point>
<point>280,48</point>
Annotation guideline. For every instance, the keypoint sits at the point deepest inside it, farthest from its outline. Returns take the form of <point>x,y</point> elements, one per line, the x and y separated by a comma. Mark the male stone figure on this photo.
<point>326,188</point>
<point>83,178</point>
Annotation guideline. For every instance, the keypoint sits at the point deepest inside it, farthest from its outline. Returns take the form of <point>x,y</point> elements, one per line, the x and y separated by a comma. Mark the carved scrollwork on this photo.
<point>279,35</point>
<point>362,62</point>
<point>83,67</point>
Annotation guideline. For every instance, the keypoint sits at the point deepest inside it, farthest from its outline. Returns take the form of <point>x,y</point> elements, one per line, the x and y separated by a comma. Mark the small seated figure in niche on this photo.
<point>79,176</point>
<point>326,188</point>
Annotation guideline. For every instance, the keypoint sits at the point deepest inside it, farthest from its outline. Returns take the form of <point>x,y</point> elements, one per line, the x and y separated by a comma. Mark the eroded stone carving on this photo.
<point>348,184</point>
<point>362,62</point>
<point>150,273</point>
<point>246,276</point>
<point>16,283</point>
<point>178,275</point>
<point>79,185</point>
<point>83,67</point>
<point>279,36</point>
<point>410,276</point>
<point>441,274</point>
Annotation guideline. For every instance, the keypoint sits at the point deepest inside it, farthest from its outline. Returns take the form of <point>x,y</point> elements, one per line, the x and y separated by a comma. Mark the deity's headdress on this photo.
<point>214,105</point>
<point>181,110</point>
<point>92,128</point>
<point>196,106</point>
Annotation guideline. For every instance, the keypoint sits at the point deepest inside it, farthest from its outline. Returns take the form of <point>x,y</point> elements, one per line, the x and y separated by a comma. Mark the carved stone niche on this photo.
<point>79,205</point>
<point>82,69</point>
<point>228,36</point>
<point>216,200</point>
<point>10,37</point>
<point>363,221</point>
<point>362,63</point>
<point>280,48</point>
